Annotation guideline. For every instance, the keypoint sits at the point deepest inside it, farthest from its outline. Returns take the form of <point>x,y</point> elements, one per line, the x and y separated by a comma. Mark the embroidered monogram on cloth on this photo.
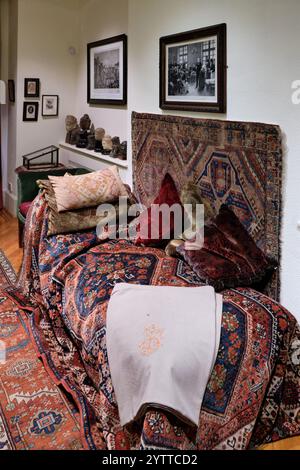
<point>153,340</point>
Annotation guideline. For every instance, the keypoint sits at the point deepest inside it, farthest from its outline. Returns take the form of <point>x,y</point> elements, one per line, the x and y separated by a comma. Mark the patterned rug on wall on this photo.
<point>34,413</point>
<point>234,163</point>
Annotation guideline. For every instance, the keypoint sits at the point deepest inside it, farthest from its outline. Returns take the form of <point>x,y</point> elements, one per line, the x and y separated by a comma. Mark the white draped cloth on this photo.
<point>162,343</point>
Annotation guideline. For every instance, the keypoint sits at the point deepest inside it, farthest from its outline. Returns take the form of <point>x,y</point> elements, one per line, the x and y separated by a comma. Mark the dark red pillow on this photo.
<point>168,194</point>
<point>230,256</point>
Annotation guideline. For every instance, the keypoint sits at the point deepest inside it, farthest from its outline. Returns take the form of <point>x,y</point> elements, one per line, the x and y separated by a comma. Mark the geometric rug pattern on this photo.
<point>234,163</point>
<point>35,414</point>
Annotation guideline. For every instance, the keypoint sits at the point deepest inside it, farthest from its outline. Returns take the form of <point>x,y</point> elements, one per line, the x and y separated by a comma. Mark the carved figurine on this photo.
<point>91,138</point>
<point>123,151</point>
<point>71,127</point>
<point>85,124</point>
<point>75,136</point>
<point>99,135</point>
<point>91,142</point>
<point>119,149</point>
<point>107,144</point>
<point>115,147</point>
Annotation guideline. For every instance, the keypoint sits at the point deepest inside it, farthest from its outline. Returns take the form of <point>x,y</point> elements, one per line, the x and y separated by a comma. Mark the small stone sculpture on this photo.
<point>85,124</point>
<point>107,144</point>
<point>119,150</point>
<point>115,147</point>
<point>71,128</point>
<point>91,142</point>
<point>99,135</point>
<point>91,138</point>
<point>75,136</point>
<point>123,151</point>
<point>82,140</point>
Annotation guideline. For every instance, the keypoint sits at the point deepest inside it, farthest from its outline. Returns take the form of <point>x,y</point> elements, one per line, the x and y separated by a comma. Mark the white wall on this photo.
<point>47,29</point>
<point>37,37</point>
<point>263,59</point>
<point>99,20</point>
<point>40,33</point>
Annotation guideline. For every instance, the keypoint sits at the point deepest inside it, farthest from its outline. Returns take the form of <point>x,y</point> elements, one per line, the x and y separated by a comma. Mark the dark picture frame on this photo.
<point>193,70</point>
<point>30,111</point>
<point>32,88</point>
<point>50,105</point>
<point>107,71</point>
<point>11,91</point>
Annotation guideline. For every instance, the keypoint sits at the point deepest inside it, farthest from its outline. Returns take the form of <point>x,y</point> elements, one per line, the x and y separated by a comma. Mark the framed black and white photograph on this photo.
<point>193,70</point>
<point>50,105</point>
<point>32,88</point>
<point>30,111</point>
<point>11,91</point>
<point>107,71</point>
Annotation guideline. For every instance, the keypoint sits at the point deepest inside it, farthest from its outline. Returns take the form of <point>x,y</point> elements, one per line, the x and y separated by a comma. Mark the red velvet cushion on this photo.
<point>168,194</point>
<point>229,257</point>
<point>24,208</point>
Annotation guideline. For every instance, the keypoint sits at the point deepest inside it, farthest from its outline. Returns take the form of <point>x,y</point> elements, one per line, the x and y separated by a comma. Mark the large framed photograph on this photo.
<point>193,70</point>
<point>30,111</point>
<point>32,87</point>
<point>50,105</point>
<point>107,71</point>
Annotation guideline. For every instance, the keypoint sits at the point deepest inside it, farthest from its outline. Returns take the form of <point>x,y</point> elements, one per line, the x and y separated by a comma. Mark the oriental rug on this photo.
<point>35,414</point>
<point>234,163</point>
<point>252,396</point>
<point>7,274</point>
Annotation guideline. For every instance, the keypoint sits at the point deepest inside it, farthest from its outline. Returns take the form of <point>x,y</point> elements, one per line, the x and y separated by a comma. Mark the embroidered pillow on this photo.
<point>151,220</point>
<point>71,221</point>
<point>89,190</point>
<point>229,257</point>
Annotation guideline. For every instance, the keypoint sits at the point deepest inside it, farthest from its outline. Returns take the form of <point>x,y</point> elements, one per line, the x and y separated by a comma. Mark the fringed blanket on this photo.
<point>253,395</point>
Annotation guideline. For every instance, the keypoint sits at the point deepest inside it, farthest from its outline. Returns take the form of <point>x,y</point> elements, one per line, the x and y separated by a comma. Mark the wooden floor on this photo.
<point>10,245</point>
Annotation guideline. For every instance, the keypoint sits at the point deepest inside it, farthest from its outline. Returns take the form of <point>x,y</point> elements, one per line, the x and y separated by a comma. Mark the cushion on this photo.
<point>90,190</point>
<point>191,195</point>
<point>168,194</point>
<point>71,221</point>
<point>24,208</point>
<point>229,257</point>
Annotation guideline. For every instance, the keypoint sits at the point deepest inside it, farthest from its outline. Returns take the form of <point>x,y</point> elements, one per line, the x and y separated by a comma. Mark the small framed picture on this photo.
<point>193,70</point>
<point>11,91</point>
<point>107,71</point>
<point>32,88</point>
<point>50,105</point>
<point>30,111</point>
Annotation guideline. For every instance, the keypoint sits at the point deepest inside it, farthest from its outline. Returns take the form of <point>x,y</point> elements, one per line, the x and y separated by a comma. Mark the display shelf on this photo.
<point>94,155</point>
